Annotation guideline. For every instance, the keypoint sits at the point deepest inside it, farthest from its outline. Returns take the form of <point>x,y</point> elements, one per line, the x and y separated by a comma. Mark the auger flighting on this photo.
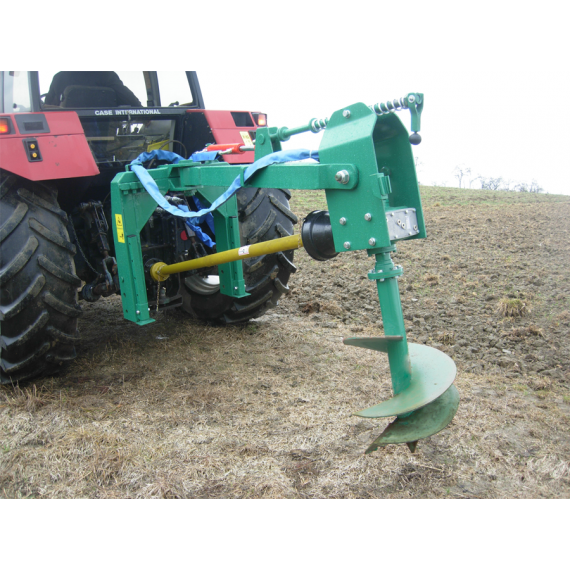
<point>366,167</point>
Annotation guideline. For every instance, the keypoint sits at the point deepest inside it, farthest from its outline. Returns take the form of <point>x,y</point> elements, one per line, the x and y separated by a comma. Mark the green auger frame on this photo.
<point>366,168</point>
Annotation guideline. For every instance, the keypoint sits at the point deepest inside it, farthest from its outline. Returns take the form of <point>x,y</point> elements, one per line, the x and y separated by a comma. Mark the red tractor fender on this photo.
<point>45,146</point>
<point>225,131</point>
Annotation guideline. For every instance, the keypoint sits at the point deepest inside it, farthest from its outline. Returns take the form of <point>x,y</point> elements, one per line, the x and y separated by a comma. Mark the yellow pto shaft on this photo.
<point>160,271</point>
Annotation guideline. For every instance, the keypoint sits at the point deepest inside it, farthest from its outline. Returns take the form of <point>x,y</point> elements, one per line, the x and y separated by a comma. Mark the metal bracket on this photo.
<point>382,274</point>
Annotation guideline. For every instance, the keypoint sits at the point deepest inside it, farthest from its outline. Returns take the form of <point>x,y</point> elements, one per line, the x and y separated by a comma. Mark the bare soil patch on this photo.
<point>184,409</point>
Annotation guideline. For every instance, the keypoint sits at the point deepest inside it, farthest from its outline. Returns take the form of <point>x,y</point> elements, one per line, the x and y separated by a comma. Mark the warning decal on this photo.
<point>246,138</point>
<point>120,231</point>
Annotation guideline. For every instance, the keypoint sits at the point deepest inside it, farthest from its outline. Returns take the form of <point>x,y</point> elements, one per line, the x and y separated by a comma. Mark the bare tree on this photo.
<point>533,187</point>
<point>509,186</point>
<point>461,172</point>
<point>491,183</point>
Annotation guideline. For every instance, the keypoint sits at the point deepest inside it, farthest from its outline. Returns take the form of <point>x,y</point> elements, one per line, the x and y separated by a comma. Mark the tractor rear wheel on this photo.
<point>38,295</point>
<point>264,214</point>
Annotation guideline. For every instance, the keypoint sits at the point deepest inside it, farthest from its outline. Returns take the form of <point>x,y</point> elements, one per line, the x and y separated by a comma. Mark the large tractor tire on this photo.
<point>38,284</point>
<point>264,214</point>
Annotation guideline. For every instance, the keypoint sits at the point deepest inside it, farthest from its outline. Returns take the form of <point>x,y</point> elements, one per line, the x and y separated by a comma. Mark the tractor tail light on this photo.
<point>5,126</point>
<point>260,119</point>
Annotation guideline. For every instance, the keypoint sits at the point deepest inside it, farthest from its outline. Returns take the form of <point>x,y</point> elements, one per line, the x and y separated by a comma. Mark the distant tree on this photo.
<point>533,187</point>
<point>460,173</point>
<point>491,183</point>
<point>509,186</point>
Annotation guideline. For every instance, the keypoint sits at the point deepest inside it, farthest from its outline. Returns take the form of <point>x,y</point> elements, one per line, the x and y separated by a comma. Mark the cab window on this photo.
<point>93,89</point>
<point>16,92</point>
<point>174,88</point>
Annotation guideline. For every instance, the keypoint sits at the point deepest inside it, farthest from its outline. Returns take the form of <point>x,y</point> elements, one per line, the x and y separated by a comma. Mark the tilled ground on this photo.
<point>475,257</point>
<point>184,409</point>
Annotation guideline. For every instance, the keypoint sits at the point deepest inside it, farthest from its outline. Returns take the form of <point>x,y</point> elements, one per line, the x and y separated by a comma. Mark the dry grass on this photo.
<point>512,308</point>
<point>28,399</point>
<point>263,411</point>
<point>431,279</point>
<point>446,337</point>
<point>522,332</point>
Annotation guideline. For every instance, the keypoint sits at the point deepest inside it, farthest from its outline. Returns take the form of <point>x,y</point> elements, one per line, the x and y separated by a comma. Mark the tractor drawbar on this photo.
<point>366,167</point>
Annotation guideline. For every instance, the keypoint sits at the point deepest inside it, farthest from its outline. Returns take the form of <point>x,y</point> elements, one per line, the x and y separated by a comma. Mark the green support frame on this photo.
<point>366,169</point>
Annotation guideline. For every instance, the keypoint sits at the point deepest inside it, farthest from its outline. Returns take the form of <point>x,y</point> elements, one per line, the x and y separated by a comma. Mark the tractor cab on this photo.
<point>126,113</point>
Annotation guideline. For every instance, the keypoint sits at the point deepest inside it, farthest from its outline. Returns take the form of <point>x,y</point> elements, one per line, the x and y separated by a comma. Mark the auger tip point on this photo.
<point>371,448</point>
<point>412,445</point>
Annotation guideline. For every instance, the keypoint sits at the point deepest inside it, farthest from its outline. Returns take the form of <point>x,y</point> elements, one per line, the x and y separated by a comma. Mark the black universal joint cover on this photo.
<point>317,236</point>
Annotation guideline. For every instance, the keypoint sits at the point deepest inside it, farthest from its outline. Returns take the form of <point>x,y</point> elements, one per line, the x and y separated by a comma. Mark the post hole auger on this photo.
<point>366,168</point>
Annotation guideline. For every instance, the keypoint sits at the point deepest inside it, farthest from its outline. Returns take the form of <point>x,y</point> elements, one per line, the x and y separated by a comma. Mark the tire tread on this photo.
<point>38,301</point>
<point>264,215</point>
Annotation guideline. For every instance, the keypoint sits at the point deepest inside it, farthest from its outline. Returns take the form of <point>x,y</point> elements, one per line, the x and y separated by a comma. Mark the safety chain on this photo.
<point>157,297</point>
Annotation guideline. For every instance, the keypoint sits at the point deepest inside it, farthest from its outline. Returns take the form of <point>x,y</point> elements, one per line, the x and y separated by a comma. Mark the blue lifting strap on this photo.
<point>150,185</point>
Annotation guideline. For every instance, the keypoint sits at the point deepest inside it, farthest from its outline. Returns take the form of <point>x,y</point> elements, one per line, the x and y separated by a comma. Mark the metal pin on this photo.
<point>367,217</point>
<point>346,245</point>
<point>346,113</point>
<point>342,221</point>
<point>372,241</point>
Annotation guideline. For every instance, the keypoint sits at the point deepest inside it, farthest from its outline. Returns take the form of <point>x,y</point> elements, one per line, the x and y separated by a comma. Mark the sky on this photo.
<point>508,124</point>
<point>469,127</point>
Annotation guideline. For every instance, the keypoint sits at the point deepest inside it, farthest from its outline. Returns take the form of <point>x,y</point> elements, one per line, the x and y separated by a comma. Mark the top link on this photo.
<point>413,101</point>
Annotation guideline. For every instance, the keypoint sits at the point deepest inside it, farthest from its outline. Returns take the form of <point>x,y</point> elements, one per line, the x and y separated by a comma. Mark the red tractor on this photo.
<point>63,138</point>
